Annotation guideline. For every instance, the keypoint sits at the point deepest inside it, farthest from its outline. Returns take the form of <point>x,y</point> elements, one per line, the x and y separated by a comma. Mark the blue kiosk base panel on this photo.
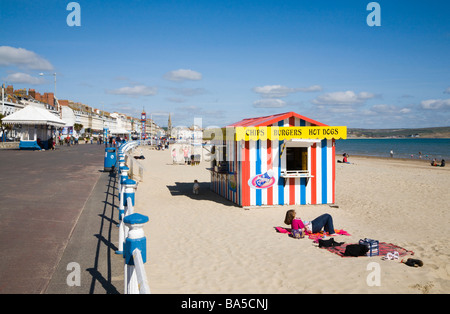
<point>31,145</point>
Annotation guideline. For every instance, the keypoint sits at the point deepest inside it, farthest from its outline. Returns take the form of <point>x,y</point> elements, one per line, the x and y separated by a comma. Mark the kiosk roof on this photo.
<point>269,120</point>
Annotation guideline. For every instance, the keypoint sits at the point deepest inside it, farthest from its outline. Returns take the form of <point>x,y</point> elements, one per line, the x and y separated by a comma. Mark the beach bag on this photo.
<point>297,234</point>
<point>372,246</point>
<point>356,250</point>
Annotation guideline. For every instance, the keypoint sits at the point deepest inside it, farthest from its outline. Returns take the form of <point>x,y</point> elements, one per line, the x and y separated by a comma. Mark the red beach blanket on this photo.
<point>383,249</point>
<point>312,236</point>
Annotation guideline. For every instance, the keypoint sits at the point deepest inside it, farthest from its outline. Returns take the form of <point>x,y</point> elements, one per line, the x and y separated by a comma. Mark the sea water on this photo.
<point>425,148</point>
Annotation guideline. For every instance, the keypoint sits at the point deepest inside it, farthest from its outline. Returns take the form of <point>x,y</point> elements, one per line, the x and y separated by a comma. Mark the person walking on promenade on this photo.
<point>186,155</point>
<point>174,156</point>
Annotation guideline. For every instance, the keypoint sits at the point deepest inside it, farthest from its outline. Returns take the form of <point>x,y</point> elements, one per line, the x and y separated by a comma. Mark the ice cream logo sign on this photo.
<point>262,181</point>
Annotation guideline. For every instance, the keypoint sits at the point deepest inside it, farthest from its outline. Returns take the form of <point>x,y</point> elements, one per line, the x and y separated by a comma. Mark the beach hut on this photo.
<point>281,159</point>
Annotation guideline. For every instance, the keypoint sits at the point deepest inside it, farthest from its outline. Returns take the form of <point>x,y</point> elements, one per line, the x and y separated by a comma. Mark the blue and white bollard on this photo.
<point>119,170</point>
<point>123,177</point>
<point>123,173</point>
<point>119,154</point>
<point>129,191</point>
<point>135,240</point>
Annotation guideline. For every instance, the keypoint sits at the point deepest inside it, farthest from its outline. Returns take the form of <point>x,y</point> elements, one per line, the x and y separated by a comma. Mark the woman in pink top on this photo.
<point>324,221</point>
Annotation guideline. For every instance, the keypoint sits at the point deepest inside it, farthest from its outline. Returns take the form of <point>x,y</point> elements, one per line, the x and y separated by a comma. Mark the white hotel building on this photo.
<point>93,120</point>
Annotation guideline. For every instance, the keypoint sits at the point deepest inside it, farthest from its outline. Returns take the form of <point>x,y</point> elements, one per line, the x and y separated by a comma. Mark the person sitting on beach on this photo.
<point>443,163</point>
<point>345,159</point>
<point>324,221</point>
<point>433,162</point>
<point>196,188</point>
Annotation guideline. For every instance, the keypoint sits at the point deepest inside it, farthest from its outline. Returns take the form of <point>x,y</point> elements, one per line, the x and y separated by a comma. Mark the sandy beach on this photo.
<point>205,244</point>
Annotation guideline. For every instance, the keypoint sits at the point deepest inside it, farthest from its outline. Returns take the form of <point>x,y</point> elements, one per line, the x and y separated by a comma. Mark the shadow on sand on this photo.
<point>185,189</point>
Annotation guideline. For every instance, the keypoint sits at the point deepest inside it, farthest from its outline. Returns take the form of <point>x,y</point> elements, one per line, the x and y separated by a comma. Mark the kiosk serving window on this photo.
<point>296,158</point>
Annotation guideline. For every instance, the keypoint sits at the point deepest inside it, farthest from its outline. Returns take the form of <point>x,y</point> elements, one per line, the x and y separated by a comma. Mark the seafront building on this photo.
<point>92,120</point>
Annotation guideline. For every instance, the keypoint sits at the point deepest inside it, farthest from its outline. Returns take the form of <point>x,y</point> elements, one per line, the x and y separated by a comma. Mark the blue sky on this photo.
<point>223,61</point>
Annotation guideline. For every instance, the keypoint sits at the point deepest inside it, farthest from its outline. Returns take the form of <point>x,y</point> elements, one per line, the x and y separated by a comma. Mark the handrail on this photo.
<point>135,278</point>
<point>142,287</point>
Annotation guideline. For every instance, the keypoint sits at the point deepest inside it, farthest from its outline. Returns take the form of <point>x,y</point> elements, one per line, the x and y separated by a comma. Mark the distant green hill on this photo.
<point>438,132</point>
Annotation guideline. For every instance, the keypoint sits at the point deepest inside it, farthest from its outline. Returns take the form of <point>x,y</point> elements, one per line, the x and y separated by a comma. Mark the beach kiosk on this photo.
<point>281,159</point>
<point>36,126</point>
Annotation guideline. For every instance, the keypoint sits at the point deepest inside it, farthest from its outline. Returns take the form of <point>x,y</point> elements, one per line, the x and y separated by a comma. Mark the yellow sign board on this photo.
<point>291,132</point>
<point>277,133</point>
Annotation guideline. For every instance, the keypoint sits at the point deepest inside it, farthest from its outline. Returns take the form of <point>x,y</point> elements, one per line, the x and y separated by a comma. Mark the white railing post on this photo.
<point>119,170</point>
<point>123,229</point>
<point>123,177</point>
<point>130,207</point>
<point>141,275</point>
<point>135,243</point>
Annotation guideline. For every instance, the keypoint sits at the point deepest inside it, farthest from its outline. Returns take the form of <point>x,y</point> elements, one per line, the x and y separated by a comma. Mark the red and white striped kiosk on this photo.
<point>281,159</point>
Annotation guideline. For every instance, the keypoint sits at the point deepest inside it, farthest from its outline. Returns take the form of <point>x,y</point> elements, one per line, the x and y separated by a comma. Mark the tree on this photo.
<point>77,127</point>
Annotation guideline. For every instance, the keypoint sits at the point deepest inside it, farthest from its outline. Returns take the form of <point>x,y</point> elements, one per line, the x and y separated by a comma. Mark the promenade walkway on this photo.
<point>58,207</point>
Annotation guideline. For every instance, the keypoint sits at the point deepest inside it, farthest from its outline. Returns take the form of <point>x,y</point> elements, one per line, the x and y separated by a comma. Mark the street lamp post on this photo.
<point>54,100</point>
<point>3,98</point>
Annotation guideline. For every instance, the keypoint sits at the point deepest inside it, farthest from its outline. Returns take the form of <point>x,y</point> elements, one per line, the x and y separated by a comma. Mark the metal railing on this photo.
<point>132,242</point>
<point>141,277</point>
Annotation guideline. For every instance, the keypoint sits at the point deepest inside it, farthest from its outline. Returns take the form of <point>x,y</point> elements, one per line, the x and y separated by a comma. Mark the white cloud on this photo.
<point>383,108</point>
<point>344,109</point>
<point>269,103</point>
<point>20,57</point>
<point>343,98</point>
<point>24,78</point>
<point>139,90</point>
<point>389,109</point>
<point>405,110</point>
<point>183,75</point>
<point>276,91</point>
<point>189,91</point>
<point>176,99</point>
<point>312,88</point>
<point>434,104</point>
<point>190,108</point>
